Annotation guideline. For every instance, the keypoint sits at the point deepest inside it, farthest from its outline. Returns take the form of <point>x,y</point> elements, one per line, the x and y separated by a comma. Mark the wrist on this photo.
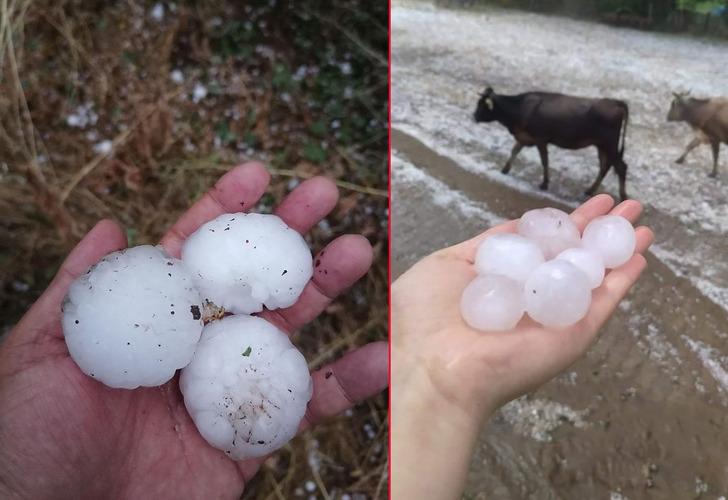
<point>435,439</point>
<point>447,384</point>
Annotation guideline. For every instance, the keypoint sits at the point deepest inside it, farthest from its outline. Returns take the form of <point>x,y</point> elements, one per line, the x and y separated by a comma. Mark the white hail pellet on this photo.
<point>242,262</point>
<point>612,237</point>
<point>557,294</point>
<point>492,302</point>
<point>247,387</point>
<point>551,229</point>
<point>588,261</point>
<point>508,254</point>
<point>133,319</point>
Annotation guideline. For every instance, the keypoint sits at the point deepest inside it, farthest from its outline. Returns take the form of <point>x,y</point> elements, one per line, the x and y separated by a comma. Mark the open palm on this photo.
<point>479,371</point>
<point>66,435</point>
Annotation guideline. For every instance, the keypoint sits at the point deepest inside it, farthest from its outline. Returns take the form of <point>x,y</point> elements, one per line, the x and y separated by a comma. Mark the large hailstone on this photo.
<point>588,261</point>
<point>247,387</point>
<point>133,319</point>
<point>612,237</point>
<point>492,302</point>
<point>551,229</point>
<point>241,262</point>
<point>557,294</point>
<point>509,255</point>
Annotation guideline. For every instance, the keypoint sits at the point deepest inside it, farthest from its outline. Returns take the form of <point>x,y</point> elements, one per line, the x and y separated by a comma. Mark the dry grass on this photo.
<point>304,91</point>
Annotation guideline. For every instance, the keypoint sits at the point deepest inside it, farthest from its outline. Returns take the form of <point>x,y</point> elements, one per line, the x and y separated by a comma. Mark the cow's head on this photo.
<point>485,112</point>
<point>677,107</point>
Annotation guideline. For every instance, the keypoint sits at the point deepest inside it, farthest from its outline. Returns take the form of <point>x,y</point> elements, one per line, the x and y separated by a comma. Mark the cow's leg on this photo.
<point>517,147</point>
<point>543,152</point>
<point>621,167</point>
<point>716,151</point>
<point>603,169</point>
<point>697,141</point>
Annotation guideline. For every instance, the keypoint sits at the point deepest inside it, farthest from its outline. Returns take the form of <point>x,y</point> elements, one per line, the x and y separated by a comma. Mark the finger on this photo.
<point>44,316</point>
<point>359,375</point>
<point>236,191</point>
<point>629,209</point>
<point>308,204</point>
<point>612,290</point>
<point>336,268</point>
<point>645,237</point>
<point>600,204</point>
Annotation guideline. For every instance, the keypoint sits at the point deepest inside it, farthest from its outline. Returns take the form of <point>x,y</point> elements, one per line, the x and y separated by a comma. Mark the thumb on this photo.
<point>43,318</point>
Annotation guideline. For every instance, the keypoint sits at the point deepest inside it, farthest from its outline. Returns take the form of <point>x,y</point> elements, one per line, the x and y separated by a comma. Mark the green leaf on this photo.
<point>250,139</point>
<point>318,128</point>
<point>222,130</point>
<point>313,151</point>
<point>248,351</point>
<point>282,77</point>
<point>131,236</point>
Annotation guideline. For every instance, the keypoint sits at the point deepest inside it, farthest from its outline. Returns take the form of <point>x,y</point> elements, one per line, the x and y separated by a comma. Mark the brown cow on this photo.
<point>707,117</point>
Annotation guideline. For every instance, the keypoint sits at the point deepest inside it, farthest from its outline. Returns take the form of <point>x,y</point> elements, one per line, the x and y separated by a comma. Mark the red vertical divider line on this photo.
<point>389,236</point>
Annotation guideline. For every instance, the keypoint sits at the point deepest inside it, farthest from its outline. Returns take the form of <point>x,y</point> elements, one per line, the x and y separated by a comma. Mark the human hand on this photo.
<point>447,377</point>
<point>64,434</point>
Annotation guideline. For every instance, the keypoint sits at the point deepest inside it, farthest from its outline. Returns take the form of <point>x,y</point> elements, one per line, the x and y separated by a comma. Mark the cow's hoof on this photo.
<point>505,170</point>
<point>680,161</point>
<point>544,186</point>
<point>713,175</point>
<point>589,193</point>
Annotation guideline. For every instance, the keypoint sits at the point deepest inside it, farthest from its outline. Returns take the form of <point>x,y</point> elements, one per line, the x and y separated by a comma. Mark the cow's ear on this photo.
<point>489,103</point>
<point>488,91</point>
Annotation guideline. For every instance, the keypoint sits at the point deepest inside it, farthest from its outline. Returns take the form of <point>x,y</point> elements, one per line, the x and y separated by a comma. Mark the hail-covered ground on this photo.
<point>658,378</point>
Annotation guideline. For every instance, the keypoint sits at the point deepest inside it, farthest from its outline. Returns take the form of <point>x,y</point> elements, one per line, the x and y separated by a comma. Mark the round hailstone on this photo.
<point>551,229</point>
<point>247,387</point>
<point>492,302</point>
<point>612,237</point>
<point>557,294</point>
<point>509,255</point>
<point>243,261</point>
<point>133,319</point>
<point>588,261</point>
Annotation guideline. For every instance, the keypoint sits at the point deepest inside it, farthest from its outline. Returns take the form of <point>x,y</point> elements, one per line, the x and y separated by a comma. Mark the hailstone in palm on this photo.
<point>551,229</point>
<point>137,316</point>
<point>589,262</point>
<point>612,237</point>
<point>242,262</point>
<point>492,302</point>
<point>557,294</point>
<point>508,254</point>
<point>247,387</point>
<point>547,270</point>
<point>133,319</point>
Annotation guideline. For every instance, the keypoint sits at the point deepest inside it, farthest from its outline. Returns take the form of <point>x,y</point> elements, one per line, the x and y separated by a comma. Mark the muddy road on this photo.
<point>645,414</point>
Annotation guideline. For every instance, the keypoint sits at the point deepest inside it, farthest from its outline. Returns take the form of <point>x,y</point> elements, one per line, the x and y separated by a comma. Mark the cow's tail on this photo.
<point>624,128</point>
